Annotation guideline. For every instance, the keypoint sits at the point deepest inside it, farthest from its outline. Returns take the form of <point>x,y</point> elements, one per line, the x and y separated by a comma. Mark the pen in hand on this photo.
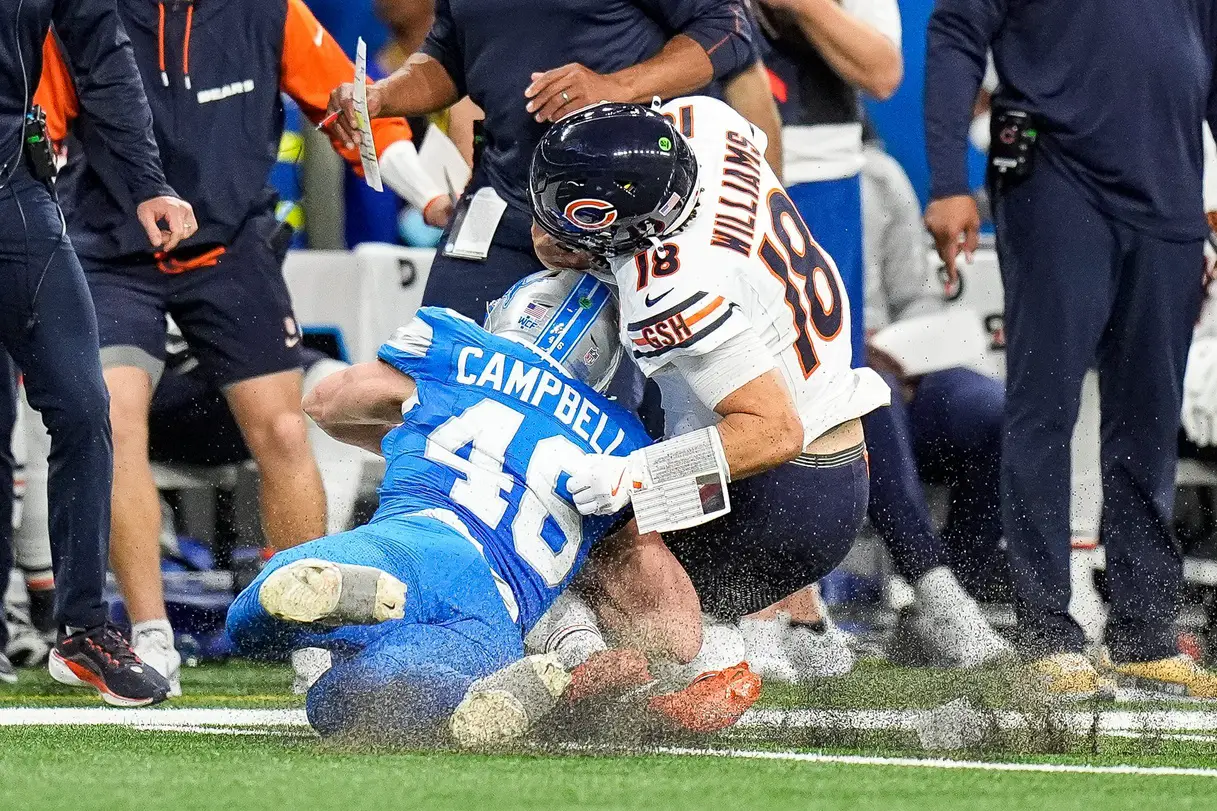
<point>329,119</point>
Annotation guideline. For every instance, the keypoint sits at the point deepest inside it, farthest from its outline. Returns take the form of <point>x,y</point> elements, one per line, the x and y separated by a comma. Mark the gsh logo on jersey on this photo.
<point>668,332</point>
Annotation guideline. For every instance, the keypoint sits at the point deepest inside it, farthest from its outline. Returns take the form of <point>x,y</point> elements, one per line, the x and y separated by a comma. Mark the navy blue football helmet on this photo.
<point>610,178</point>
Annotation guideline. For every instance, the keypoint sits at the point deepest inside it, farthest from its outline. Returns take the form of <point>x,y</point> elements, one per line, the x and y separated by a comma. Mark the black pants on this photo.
<point>950,434</point>
<point>1084,290</point>
<point>788,527</point>
<point>48,326</point>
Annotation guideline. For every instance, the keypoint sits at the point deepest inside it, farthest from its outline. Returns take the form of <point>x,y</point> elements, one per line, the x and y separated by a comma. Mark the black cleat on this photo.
<point>102,658</point>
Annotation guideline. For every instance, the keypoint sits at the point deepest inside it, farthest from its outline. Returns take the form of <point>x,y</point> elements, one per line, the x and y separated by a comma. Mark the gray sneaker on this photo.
<point>27,646</point>
<point>8,674</point>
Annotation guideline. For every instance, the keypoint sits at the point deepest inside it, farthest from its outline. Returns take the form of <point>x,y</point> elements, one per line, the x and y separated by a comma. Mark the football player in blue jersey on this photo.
<point>476,534</point>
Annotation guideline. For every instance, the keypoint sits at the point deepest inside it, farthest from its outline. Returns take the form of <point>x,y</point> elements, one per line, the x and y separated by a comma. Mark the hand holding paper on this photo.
<point>367,145</point>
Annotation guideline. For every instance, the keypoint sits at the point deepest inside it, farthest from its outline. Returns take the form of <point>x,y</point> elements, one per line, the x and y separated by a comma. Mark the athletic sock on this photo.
<point>569,631</point>
<point>161,625</point>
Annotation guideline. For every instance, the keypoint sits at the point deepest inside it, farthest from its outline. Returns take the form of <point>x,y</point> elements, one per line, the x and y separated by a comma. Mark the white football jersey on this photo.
<point>744,261</point>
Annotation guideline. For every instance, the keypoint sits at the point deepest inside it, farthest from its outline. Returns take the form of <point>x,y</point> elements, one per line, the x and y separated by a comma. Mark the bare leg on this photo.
<point>293,502</point>
<point>642,594</point>
<point>135,520</point>
<point>803,606</point>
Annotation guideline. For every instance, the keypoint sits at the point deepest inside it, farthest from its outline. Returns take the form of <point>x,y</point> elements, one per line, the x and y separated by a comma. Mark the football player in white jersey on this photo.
<point>728,303</point>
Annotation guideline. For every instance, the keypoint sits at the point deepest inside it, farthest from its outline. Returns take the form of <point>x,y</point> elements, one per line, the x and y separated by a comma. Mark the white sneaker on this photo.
<point>314,590</point>
<point>822,654</point>
<point>948,622</point>
<point>155,647</point>
<point>780,651</point>
<point>309,664</point>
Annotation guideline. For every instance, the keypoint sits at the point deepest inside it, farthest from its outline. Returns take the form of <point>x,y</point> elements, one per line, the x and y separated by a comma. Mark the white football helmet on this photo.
<point>570,316</point>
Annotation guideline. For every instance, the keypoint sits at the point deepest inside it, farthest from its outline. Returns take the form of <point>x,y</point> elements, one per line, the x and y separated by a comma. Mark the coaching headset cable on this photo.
<point>10,169</point>
<point>63,233</point>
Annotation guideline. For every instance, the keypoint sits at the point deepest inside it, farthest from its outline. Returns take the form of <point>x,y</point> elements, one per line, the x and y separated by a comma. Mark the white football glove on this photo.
<point>601,484</point>
<point>1200,393</point>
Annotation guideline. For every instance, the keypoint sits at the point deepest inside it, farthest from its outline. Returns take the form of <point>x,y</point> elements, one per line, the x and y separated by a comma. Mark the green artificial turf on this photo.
<point>104,768</point>
<point>45,768</point>
<point>233,684</point>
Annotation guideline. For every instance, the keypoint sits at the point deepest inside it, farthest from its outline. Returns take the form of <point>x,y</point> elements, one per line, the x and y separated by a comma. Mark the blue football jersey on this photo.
<point>492,435</point>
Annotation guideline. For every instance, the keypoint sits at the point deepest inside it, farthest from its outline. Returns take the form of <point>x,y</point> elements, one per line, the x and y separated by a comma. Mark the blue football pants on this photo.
<point>400,677</point>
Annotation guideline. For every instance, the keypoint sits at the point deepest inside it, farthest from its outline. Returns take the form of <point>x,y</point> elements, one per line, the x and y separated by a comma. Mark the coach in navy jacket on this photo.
<point>213,71</point>
<point>528,64</point>
<point>1101,256</point>
<point>47,323</point>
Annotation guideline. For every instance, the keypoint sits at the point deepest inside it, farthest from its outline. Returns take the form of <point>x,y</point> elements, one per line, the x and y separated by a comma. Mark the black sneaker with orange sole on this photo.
<point>102,658</point>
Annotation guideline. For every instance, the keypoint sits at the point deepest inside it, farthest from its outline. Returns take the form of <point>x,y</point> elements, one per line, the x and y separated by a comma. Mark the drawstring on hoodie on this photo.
<point>186,44</point>
<point>160,43</point>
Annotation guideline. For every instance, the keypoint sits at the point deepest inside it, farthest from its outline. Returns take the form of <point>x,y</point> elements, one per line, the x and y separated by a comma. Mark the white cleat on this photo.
<point>505,705</point>
<point>155,647</point>
<point>765,642</point>
<point>949,624</point>
<point>722,646</point>
<point>826,653</point>
<point>309,664</point>
<point>313,590</point>
<point>780,651</point>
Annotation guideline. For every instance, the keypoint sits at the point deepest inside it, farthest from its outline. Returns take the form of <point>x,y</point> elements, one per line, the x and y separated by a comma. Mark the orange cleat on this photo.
<point>608,671</point>
<point>713,702</point>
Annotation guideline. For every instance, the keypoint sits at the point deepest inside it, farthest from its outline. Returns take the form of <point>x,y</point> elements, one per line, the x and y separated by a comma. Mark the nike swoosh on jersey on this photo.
<point>651,302</point>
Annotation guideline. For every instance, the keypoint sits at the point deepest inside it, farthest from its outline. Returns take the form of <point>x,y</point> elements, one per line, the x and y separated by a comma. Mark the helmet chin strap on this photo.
<point>680,222</point>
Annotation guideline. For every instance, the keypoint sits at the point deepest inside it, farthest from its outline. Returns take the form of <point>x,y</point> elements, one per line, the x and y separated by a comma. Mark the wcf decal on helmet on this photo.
<point>590,214</point>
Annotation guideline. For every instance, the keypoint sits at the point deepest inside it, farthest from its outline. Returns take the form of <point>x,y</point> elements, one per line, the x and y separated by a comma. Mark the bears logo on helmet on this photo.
<point>609,178</point>
<point>590,214</point>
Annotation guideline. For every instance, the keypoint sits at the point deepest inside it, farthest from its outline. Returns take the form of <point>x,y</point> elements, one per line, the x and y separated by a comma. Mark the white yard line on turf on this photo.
<point>1114,722</point>
<point>939,763</point>
<point>294,722</point>
<point>166,718</point>
<point>1077,721</point>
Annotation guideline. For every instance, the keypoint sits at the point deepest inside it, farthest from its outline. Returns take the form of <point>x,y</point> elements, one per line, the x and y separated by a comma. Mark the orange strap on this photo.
<point>167,264</point>
<point>160,43</point>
